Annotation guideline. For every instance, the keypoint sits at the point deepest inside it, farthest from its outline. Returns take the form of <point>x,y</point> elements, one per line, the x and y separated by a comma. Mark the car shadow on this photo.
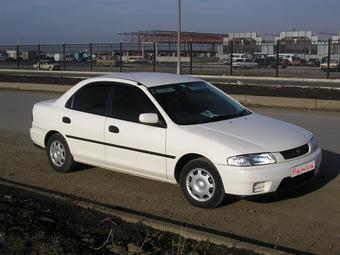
<point>228,200</point>
<point>329,170</point>
<point>81,167</point>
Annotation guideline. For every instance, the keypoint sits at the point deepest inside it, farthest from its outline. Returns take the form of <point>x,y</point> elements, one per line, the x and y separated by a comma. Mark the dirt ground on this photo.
<point>283,221</point>
<point>35,224</point>
<point>304,220</point>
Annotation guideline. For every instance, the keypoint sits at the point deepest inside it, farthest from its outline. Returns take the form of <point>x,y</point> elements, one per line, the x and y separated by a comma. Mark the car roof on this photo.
<point>153,79</point>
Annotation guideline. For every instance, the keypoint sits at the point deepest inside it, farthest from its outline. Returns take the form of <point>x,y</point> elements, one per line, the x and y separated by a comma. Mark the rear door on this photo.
<point>132,146</point>
<point>84,121</point>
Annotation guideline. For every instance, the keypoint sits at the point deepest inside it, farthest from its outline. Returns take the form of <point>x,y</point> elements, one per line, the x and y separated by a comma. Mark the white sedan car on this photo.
<point>177,129</point>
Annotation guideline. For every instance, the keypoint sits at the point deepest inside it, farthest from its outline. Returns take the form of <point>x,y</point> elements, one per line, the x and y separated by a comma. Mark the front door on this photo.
<point>132,146</point>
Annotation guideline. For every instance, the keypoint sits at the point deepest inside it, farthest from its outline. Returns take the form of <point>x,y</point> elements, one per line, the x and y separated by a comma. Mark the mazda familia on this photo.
<point>174,128</point>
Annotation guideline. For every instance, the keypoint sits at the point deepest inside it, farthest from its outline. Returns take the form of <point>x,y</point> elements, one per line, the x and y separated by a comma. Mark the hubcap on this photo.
<point>57,153</point>
<point>200,184</point>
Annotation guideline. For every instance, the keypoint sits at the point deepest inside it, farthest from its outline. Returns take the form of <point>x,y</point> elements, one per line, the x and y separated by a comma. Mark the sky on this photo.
<point>83,21</point>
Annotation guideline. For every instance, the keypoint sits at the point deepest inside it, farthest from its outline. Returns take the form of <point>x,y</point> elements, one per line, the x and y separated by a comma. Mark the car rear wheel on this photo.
<point>201,183</point>
<point>59,155</point>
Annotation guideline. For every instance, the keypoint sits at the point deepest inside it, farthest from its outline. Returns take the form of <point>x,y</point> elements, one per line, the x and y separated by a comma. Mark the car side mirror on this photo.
<point>148,118</point>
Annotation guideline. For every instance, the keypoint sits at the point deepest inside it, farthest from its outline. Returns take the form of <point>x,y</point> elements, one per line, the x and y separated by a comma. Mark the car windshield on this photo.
<point>196,102</point>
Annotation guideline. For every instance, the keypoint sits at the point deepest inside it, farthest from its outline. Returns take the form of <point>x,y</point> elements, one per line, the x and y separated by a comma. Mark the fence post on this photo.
<point>39,57</point>
<point>64,57</point>
<point>91,65</point>
<point>277,58</point>
<point>231,57</point>
<point>190,70</point>
<point>18,61</point>
<point>154,57</point>
<point>121,57</point>
<point>329,57</point>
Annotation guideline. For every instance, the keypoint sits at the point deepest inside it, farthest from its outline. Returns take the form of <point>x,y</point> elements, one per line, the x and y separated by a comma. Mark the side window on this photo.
<point>129,102</point>
<point>91,99</point>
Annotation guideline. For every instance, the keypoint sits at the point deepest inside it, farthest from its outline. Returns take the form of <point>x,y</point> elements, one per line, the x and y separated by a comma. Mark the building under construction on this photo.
<point>161,36</point>
<point>201,44</point>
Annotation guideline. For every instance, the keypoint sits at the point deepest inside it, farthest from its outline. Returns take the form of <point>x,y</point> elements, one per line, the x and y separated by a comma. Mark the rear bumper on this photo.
<point>38,136</point>
<point>241,180</point>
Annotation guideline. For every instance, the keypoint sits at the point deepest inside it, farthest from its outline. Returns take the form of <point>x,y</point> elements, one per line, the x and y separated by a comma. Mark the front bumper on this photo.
<point>240,180</point>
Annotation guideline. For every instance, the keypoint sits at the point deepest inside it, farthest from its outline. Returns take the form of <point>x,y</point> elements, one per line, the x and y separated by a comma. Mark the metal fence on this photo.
<point>280,58</point>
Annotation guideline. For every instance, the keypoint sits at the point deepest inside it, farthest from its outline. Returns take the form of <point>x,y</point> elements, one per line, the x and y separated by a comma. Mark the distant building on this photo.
<point>12,54</point>
<point>23,55</point>
<point>248,43</point>
<point>298,42</point>
<point>336,38</point>
<point>297,37</point>
<point>303,44</point>
<point>243,38</point>
<point>245,43</point>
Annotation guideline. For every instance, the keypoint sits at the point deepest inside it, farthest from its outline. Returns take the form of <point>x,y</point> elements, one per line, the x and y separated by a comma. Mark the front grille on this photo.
<point>296,152</point>
<point>289,182</point>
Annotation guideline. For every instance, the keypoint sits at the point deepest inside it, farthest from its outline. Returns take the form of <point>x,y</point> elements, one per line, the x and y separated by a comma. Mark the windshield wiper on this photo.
<point>242,113</point>
<point>225,117</point>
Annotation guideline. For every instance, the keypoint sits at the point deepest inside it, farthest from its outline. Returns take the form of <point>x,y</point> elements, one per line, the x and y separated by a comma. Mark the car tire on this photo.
<point>50,68</point>
<point>201,183</point>
<point>59,155</point>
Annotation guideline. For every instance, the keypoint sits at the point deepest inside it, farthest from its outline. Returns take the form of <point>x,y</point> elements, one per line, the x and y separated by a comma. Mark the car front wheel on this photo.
<point>201,183</point>
<point>58,154</point>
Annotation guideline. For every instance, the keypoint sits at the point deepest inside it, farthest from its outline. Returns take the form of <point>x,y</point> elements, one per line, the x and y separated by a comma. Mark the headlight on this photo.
<point>313,144</point>
<point>252,160</point>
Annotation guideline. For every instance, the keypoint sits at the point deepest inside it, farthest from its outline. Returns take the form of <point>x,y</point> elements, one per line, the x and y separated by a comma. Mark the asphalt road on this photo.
<point>197,68</point>
<point>306,219</point>
<point>293,72</point>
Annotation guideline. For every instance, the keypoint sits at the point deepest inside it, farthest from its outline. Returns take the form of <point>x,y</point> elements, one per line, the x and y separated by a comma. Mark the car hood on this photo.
<point>254,133</point>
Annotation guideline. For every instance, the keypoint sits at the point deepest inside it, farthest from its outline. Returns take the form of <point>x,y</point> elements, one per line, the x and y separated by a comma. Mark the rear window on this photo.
<point>90,99</point>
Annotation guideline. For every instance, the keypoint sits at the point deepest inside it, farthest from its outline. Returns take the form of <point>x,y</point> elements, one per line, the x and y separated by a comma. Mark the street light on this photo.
<point>179,25</point>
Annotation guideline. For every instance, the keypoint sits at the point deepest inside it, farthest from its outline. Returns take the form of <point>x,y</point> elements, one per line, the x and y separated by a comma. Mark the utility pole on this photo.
<point>179,26</point>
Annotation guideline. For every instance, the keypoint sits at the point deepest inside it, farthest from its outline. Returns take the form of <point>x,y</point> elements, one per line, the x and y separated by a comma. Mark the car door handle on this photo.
<point>113,129</point>
<point>66,120</point>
